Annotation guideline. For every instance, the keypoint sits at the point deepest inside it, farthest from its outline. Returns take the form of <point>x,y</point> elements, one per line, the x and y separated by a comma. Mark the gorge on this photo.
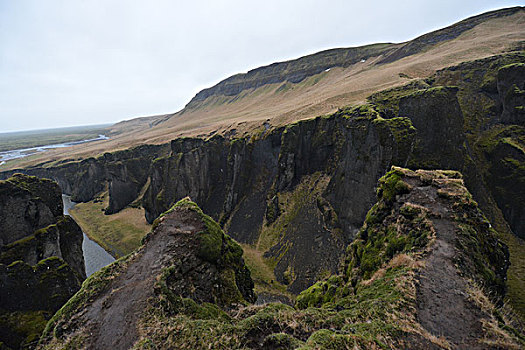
<point>394,220</point>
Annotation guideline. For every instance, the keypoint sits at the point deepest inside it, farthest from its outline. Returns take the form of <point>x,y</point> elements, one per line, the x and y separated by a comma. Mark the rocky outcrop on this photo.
<point>429,239</point>
<point>187,265</point>
<point>478,133</point>
<point>41,260</point>
<point>27,204</point>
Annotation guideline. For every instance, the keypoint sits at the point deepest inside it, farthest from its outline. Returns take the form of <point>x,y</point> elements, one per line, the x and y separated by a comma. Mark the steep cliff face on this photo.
<point>41,260</point>
<point>478,129</point>
<point>27,204</point>
<point>242,183</point>
<point>186,266</point>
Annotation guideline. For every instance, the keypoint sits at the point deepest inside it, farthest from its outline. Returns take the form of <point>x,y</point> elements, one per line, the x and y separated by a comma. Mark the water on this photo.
<point>24,152</point>
<point>95,257</point>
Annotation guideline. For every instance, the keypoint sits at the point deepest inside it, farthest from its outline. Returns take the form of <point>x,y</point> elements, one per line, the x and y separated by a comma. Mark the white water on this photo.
<point>95,257</point>
<point>24,152</point>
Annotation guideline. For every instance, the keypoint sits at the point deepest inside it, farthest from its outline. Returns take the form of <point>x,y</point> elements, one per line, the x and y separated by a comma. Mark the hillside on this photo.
<point>313,85</point>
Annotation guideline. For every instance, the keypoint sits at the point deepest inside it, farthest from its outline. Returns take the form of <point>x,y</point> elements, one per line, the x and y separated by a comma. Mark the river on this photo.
<point>95,257</point>
<point>24,152</point>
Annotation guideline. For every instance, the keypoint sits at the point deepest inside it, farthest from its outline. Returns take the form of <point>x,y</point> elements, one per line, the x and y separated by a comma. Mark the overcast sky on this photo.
<point>72,62</point>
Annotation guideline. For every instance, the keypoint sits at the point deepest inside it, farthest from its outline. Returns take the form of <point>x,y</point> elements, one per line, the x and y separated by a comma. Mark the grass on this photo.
<point>119,233</point>
<point>262,272</point>
<point>516,273</point>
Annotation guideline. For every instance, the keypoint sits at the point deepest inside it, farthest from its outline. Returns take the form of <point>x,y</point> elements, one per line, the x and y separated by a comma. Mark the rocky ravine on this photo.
<point>299,193</point>
<point>187,286</point>
<point>41,261</point>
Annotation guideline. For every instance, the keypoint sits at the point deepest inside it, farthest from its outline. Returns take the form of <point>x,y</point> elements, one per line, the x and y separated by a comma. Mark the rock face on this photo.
<point>187,264</point>
<point>241,182</point>
<point>41,260</point>
<point>511,86</point>
<point>27,204</point>
<point>418,276</point>
<point>122,173</point>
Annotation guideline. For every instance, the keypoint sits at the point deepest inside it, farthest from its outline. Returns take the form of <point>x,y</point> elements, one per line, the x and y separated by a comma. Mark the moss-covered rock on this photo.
<point>224,278</point>
<point>41,264</point>
<point>187,267</point>
<point>27,203</point>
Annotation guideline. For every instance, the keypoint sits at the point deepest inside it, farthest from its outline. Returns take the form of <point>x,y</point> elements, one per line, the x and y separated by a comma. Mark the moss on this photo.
<point>387,102</point>
<point>391,185</point>
<point>91,287</point>
<point>388,231</point>
<point>322,292</point>
<point>24,327</point>
<point>281,341</point>
<point>175,304</point>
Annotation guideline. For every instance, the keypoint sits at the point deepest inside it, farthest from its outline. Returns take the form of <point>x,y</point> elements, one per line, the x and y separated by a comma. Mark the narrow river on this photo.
<point>95,257</point>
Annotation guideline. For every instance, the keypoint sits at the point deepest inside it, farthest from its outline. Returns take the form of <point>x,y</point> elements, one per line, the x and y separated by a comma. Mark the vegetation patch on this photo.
<point>119,233</point>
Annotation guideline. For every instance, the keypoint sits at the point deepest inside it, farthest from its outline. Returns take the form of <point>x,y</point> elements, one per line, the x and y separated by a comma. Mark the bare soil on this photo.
<point>112,318</point>
<point>443,307</point>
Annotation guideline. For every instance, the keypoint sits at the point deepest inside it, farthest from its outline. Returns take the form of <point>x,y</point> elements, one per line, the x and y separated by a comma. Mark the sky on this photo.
<point>81,62</point>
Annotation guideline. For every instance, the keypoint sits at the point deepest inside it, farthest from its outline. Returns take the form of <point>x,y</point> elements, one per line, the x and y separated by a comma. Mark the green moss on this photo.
<point>322,292</point>
<point>175,304</point>
<point>24,327</point>
<point>281,341</point>
<point>387,102</point>
<point>391,185</point>
<point>387,231</point>
<point>91,287</point>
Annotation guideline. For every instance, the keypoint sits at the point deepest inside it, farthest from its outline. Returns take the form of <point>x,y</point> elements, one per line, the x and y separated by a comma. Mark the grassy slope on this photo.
<point>262,273</point>
<point>119,234</point>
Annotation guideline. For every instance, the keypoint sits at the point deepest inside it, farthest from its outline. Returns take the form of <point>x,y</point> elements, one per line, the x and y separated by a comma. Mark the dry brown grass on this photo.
<point>400,260</point>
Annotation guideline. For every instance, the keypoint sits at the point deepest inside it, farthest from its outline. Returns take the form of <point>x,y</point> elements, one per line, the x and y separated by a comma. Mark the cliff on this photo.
<point>186,266</point>
<point>41,260</point>
<point>425,271</point>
